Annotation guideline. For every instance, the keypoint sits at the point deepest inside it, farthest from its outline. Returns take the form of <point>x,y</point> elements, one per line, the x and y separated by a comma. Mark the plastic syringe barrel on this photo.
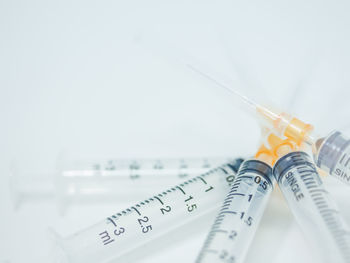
<point>313,207</point>
<point>129,229</point>
<point>236,223</point>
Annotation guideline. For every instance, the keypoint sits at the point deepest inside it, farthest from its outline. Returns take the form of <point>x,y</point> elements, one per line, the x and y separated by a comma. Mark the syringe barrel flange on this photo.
<point>291,160</point>
<point>331,150</point>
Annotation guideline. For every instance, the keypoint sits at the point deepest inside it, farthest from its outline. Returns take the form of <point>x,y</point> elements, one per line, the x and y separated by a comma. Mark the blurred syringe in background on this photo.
<point>104,180</point>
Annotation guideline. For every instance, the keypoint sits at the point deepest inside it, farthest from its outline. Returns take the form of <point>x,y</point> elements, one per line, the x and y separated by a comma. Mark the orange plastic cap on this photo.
<point>276,142</point>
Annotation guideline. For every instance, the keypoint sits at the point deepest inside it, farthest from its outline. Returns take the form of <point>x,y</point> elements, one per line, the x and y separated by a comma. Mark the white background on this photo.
<point>108,78</point>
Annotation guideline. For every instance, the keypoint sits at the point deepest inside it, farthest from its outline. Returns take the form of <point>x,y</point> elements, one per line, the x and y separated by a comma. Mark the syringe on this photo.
<point>235,225</point>
<point>331,153</point>
<point>105,180</point>
<point>312,206</point>
<point>124,231</point>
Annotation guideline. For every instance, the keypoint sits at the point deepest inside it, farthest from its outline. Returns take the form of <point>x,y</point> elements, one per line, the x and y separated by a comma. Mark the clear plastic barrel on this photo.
<point>233,230</point>
<point>124,231</point>
<point>333,155</point>
<point>313,207</point>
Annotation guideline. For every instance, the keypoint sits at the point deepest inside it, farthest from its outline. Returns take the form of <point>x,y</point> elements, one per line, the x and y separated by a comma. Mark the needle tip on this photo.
<point>245,99</point>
